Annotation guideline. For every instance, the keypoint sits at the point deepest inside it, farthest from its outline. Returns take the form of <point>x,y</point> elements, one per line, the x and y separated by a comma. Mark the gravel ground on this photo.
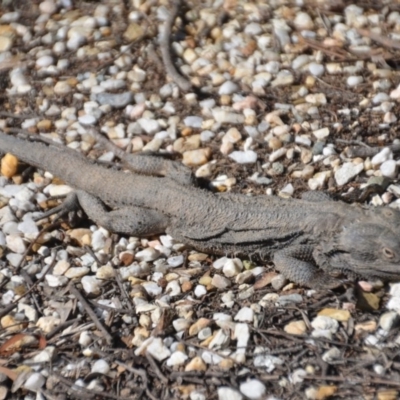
<point>258,97</point>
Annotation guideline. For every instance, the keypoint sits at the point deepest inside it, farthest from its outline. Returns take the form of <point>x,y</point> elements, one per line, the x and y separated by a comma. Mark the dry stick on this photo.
<point>157,370</point>
<point>90,312</point>
<point>11,306</point>
<point>91,392</point>
<point>385,41</point>
<point>164,41</point>
<point>360,151</point>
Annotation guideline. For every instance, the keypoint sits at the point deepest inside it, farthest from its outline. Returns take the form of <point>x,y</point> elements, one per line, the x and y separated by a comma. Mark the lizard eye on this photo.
<point>388,253</point>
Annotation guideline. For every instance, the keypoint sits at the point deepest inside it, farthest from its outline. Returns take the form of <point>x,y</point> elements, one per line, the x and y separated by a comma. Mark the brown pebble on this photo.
<point>274,143</point>
<point>9,165</point>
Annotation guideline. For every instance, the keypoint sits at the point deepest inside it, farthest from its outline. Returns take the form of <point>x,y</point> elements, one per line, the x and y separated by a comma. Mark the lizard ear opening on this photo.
<point>388,253</point>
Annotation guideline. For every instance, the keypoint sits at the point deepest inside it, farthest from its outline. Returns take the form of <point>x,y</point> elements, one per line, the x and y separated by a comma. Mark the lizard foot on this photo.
<point>297,264</point>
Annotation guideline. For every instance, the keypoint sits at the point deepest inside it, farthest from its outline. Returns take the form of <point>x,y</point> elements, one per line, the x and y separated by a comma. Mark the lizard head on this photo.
<point>368,246</point>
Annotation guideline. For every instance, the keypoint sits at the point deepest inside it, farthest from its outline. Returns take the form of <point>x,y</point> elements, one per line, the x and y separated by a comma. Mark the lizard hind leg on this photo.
<point>296,264</point>
<point>132,220</point>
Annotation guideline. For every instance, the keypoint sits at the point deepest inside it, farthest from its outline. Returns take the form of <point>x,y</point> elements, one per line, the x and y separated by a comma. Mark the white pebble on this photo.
<point>253,389</point>
<point>200,291</point>
<point>158,350</point>
<point>101,367</point>
<point>227,393</point>
<point>389,169</point>
<point>245,314</point>
<point>193,121</point>
<point>148,254</point>
<point>244,157</point>
<point>44,61</point>
<point>232,267</point>
<point>56,281</point>
<point>35,381</point>
<point>177,358</point>
<point>347,172</point>
<point>384,155</point>
<point>354,80</point>
<point>228,87</point>
<point>316,69</point>
<point>91,285</point>
<point>325,323</point>
<point>87,119</point>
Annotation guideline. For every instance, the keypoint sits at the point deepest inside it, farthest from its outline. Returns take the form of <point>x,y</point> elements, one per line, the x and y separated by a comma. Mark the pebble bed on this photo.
<point>279,92</point>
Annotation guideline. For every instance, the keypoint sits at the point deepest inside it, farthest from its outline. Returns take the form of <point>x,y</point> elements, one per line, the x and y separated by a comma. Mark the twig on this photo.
<point>360,151</point>
<point>385,41</point>
<point>90,392</point>
<point>164,41</point>
<point>157,370</point>
<point>90,312</point>
<point>11,306</point>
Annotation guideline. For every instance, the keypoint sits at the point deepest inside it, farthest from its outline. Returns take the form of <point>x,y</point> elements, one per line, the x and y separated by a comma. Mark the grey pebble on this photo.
<point>118,100</point>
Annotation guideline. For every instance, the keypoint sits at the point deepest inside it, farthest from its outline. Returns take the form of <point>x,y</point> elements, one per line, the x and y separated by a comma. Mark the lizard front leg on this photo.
<point>136,221</point>
<point>297,264</point>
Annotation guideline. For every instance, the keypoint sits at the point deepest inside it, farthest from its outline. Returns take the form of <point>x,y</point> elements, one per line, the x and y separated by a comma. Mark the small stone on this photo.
<point>200,291</point>
<point>244,157</point>
<point>227,393</point>
<point>9,165</point>
<point>149,254</point>
<point>228,87</point>
<point>321,134</point>
<point>225,117</point>
<point>389,169</point>
<point>367,326</point>
<point>133,32</point>
<point>76,272</point>
<point>62,88</point>
<point>199,325</point>
<point>101,367</point>
<point>347,172</point>
<point>316,98</point>
<point>177,358</point>
<point>6,43</point>
<point>253,389</point>
<point>195,158</point>
<point>47,324</point>
<point>56,281</point>
<point>121,100</point>
<point>278,282</point>
<point>290,299</point>
<point>331,355</point>
<point>353,81</point>
<point>387,394</point>
<point>325,392</point>
<point>15,243</point>
<point>196,364</point>
<point>296,328</point>
<point>303,21</point>
<point>220,282</point>
<point>274,143</point>
<point>158,350</point>
<point>245,314</point>
<point>316,69</point>
<point>339,315</point>
<point>48,7</point>
<point>34,382</point>
<point>325,323</point>
<point>105,272</point>
<point>384,155</point>
<point>91,285</point>
<point>388,320</point>
<point>232,267</point>
<point>193,121</point>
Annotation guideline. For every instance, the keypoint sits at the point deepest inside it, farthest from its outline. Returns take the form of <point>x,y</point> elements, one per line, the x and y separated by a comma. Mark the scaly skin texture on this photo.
<point>309,240</point>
